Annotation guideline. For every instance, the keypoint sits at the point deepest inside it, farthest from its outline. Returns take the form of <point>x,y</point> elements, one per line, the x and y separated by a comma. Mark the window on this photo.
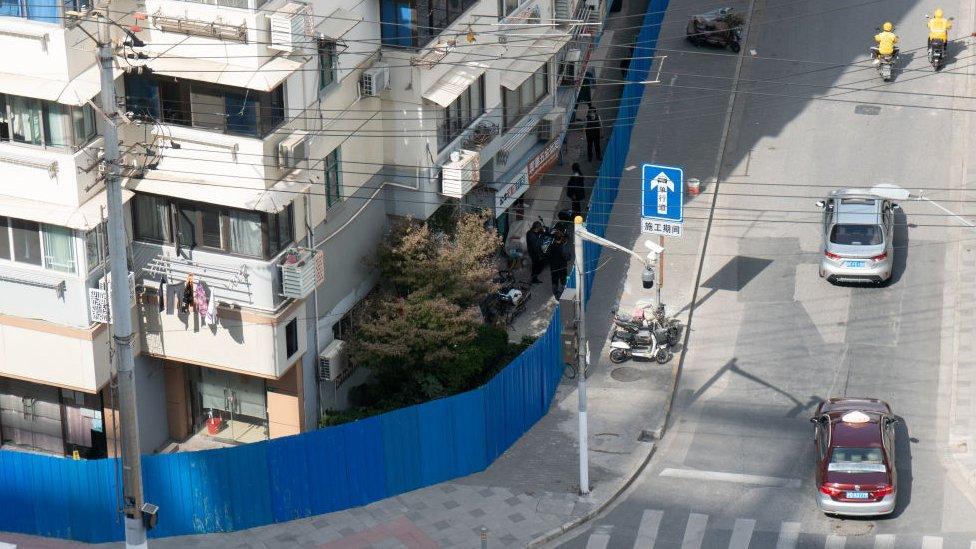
<point>291,337</point>
<point>35,10</point>
<point>96,247</point>
<point>517,103</point>
<point>26,240</point>
<point>333,178</point>
<point>414,23</point>
<point>457,116</point>
<point>506,7</point>
<point>45,123</point>
<point>241,232</point>
<point>327,63</point>
<point>151,218</point>
<point>59,249</point>
<point>857,235</point>
<point>225,109</point>
<point>4,238</point>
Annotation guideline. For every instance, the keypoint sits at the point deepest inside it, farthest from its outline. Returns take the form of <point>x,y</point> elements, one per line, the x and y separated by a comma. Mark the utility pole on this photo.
<point>581,354</point>
<point>660,269</point>
<point>135,531</point>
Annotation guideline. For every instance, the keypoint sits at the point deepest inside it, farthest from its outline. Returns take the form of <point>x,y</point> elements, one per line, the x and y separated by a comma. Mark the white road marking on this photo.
<point>788,534</point>
<point>741,533</point>
<point>931,542</point>
<point>835,542</point>
<point>884,541</point>
<point>647,531</point>
<point>757,480</point>
<point>598,540</point>
<point>695,531</point>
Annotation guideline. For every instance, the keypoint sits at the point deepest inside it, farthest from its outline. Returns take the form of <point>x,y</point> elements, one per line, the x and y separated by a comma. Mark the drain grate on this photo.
<point>870,110</point>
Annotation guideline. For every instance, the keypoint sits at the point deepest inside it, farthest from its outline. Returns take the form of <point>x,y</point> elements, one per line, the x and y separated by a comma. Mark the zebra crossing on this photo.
<point>698,531</point>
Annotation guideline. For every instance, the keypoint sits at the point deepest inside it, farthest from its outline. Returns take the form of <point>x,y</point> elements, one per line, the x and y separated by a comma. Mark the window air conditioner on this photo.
<point>332,362</point>
<point>288,27</point>
<point>374,80</point>
<point>293,152</point>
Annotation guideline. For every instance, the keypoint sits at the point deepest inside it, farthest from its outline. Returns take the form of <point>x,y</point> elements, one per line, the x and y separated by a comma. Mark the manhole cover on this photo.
<point>626,374</point>
<point>867,109</point>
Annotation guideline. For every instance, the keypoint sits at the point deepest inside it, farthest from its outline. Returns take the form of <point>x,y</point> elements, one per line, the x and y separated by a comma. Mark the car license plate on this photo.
<point>857,495</point>
<point>854,264</point>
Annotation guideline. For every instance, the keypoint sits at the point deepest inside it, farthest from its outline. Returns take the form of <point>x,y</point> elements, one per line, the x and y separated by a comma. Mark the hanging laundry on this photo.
<point>187,300</point>
<point>212,309</point>
<point>161,293</point>
<point>200,300</point>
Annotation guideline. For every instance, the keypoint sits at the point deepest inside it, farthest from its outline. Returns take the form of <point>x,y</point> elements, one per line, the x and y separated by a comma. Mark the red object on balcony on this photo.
<point>213,424</point>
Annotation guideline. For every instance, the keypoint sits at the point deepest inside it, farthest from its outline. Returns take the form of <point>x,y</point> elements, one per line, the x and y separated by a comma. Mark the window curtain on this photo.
<point>397,24</point>
<point>245,233</point>
<point>59,249</point>
<point>27,241</point>
<point>241,110</point>
<point>83,119</point>
<point>94,246</point>
<point>56,125</point>
<point>152,219</point>
<point>25,120</point>
<point>4,238</point>
<point>43,10</point>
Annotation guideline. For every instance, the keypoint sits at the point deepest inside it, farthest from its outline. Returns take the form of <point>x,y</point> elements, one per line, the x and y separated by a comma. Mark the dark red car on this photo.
<point>855,448</point>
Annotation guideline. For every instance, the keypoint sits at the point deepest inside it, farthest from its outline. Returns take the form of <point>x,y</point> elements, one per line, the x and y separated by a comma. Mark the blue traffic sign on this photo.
<point>662,193</point>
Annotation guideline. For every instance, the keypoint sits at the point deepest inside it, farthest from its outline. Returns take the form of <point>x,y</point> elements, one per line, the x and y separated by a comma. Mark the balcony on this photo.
<point>57,175</point>
<point>248,332</point>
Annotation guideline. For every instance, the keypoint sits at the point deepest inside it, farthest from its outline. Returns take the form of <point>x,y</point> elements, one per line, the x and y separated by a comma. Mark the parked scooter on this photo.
<point>720,27</point>
<point>507,302</point>
<point>643,337</point>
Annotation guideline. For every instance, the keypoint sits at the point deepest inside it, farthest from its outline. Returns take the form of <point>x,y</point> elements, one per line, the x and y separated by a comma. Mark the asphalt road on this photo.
<point>770,338</point>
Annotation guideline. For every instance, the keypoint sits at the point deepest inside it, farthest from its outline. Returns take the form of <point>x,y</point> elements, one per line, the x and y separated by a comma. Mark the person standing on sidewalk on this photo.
<point>576,190</point>
<point>592,130</point>
<point>533,244</point>
<point>559,258</point>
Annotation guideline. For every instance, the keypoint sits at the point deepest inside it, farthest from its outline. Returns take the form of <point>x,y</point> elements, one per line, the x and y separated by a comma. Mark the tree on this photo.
<point>410,343</point>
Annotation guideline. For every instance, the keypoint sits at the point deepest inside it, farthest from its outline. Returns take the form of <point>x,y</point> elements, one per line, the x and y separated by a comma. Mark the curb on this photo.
<point>574,523</point>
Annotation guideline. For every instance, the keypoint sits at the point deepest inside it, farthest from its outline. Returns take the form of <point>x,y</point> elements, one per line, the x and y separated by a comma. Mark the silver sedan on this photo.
<point>858,236</point>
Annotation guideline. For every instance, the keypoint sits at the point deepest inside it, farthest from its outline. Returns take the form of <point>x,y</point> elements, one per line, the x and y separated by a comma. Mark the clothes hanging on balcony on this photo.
<point>187,300</point>
<point>212,310</point>
<point>162,293</point>
<point>200,300</point>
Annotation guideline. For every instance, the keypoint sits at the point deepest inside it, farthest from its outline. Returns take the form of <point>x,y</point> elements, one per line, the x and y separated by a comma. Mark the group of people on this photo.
<point>556,256</point>
<point>939,27</point>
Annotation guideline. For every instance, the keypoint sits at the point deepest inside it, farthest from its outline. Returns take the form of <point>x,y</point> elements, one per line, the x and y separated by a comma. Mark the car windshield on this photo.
<point>856,235</point>
<point>856,460</point>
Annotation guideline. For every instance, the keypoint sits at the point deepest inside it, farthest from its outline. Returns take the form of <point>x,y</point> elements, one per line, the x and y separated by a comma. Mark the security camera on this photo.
<point>653,247</point>
<point>647,278</point>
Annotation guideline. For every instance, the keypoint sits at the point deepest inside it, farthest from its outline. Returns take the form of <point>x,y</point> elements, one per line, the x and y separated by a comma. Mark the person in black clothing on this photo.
<point>533,243</point>
<point>592,131</point>
<point>559,257</point>
<point>576,189</point>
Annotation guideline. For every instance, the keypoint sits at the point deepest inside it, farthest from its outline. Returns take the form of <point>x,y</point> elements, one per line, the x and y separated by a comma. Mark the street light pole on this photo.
<point>135,530</point>
<point>581,354</point>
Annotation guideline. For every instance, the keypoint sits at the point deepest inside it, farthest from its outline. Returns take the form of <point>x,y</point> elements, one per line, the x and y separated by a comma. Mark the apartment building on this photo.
<point>54,353</point>
<point>267,144</point>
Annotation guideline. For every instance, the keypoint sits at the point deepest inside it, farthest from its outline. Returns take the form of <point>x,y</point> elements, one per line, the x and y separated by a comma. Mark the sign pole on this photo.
<point>660,270</point>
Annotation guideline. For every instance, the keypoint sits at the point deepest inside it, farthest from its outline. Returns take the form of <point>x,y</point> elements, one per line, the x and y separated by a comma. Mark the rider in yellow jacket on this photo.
<point>886,40</point>
<point>939,27</point>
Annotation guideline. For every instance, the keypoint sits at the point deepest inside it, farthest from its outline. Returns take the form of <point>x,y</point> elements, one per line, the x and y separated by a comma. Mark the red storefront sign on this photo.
<point>546,159</point>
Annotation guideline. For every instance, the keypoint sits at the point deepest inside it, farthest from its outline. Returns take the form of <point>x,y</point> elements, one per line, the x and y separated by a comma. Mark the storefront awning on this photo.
<point>265,78</point>
<point>528,58</point>
<point>453,84</point>
<point>74,92</point>
<point>338,23</point>
<point>84,217</point>
<point>271,200</point>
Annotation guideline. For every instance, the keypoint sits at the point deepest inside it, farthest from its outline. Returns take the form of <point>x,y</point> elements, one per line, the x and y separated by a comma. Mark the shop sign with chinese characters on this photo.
<point>508,194</point>
<point>546,159</point>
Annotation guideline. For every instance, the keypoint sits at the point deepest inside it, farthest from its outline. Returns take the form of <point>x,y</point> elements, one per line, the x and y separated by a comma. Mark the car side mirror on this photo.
<point>821,204</point>
<point>813,420</point>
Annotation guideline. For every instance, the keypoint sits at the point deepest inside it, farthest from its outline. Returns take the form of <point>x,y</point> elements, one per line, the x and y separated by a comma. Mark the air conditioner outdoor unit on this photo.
<point>293,152</point>
<point>550,126</point>
<point>288,27</point>
<point>570,66</point>
<point>374,80</point>
<point>332,361</point>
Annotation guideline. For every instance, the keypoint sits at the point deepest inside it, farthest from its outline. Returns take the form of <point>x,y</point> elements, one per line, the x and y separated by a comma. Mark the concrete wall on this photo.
<point>71,185</point>
<point>151,392</point>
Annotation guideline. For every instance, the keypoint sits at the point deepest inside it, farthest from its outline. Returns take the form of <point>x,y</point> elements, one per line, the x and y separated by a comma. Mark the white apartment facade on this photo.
<point>268,143</point>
